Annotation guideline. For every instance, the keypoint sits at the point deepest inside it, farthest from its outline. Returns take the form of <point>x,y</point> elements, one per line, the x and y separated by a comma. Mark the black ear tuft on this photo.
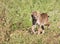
<point>48,16</point>
<point>31,15</point>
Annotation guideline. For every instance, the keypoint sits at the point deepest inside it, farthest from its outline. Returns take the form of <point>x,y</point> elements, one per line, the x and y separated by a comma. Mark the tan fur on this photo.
<point>42,19</point>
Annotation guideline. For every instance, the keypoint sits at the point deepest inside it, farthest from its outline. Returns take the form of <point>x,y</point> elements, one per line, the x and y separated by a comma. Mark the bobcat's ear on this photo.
<point>32,14</point>
<point>48,16</point>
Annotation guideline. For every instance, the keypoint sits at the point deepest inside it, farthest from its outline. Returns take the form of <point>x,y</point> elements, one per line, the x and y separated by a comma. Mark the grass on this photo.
<point>16,19</point>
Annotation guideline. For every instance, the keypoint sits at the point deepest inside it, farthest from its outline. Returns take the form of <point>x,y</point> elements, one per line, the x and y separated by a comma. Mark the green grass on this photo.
<point>17,16</point>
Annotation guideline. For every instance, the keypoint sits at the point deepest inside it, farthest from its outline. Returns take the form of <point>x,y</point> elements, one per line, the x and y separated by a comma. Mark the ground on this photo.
<point>15,21</point>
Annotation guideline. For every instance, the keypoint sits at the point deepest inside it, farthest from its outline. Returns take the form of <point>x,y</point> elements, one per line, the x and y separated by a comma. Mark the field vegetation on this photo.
<point>15,21</point>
